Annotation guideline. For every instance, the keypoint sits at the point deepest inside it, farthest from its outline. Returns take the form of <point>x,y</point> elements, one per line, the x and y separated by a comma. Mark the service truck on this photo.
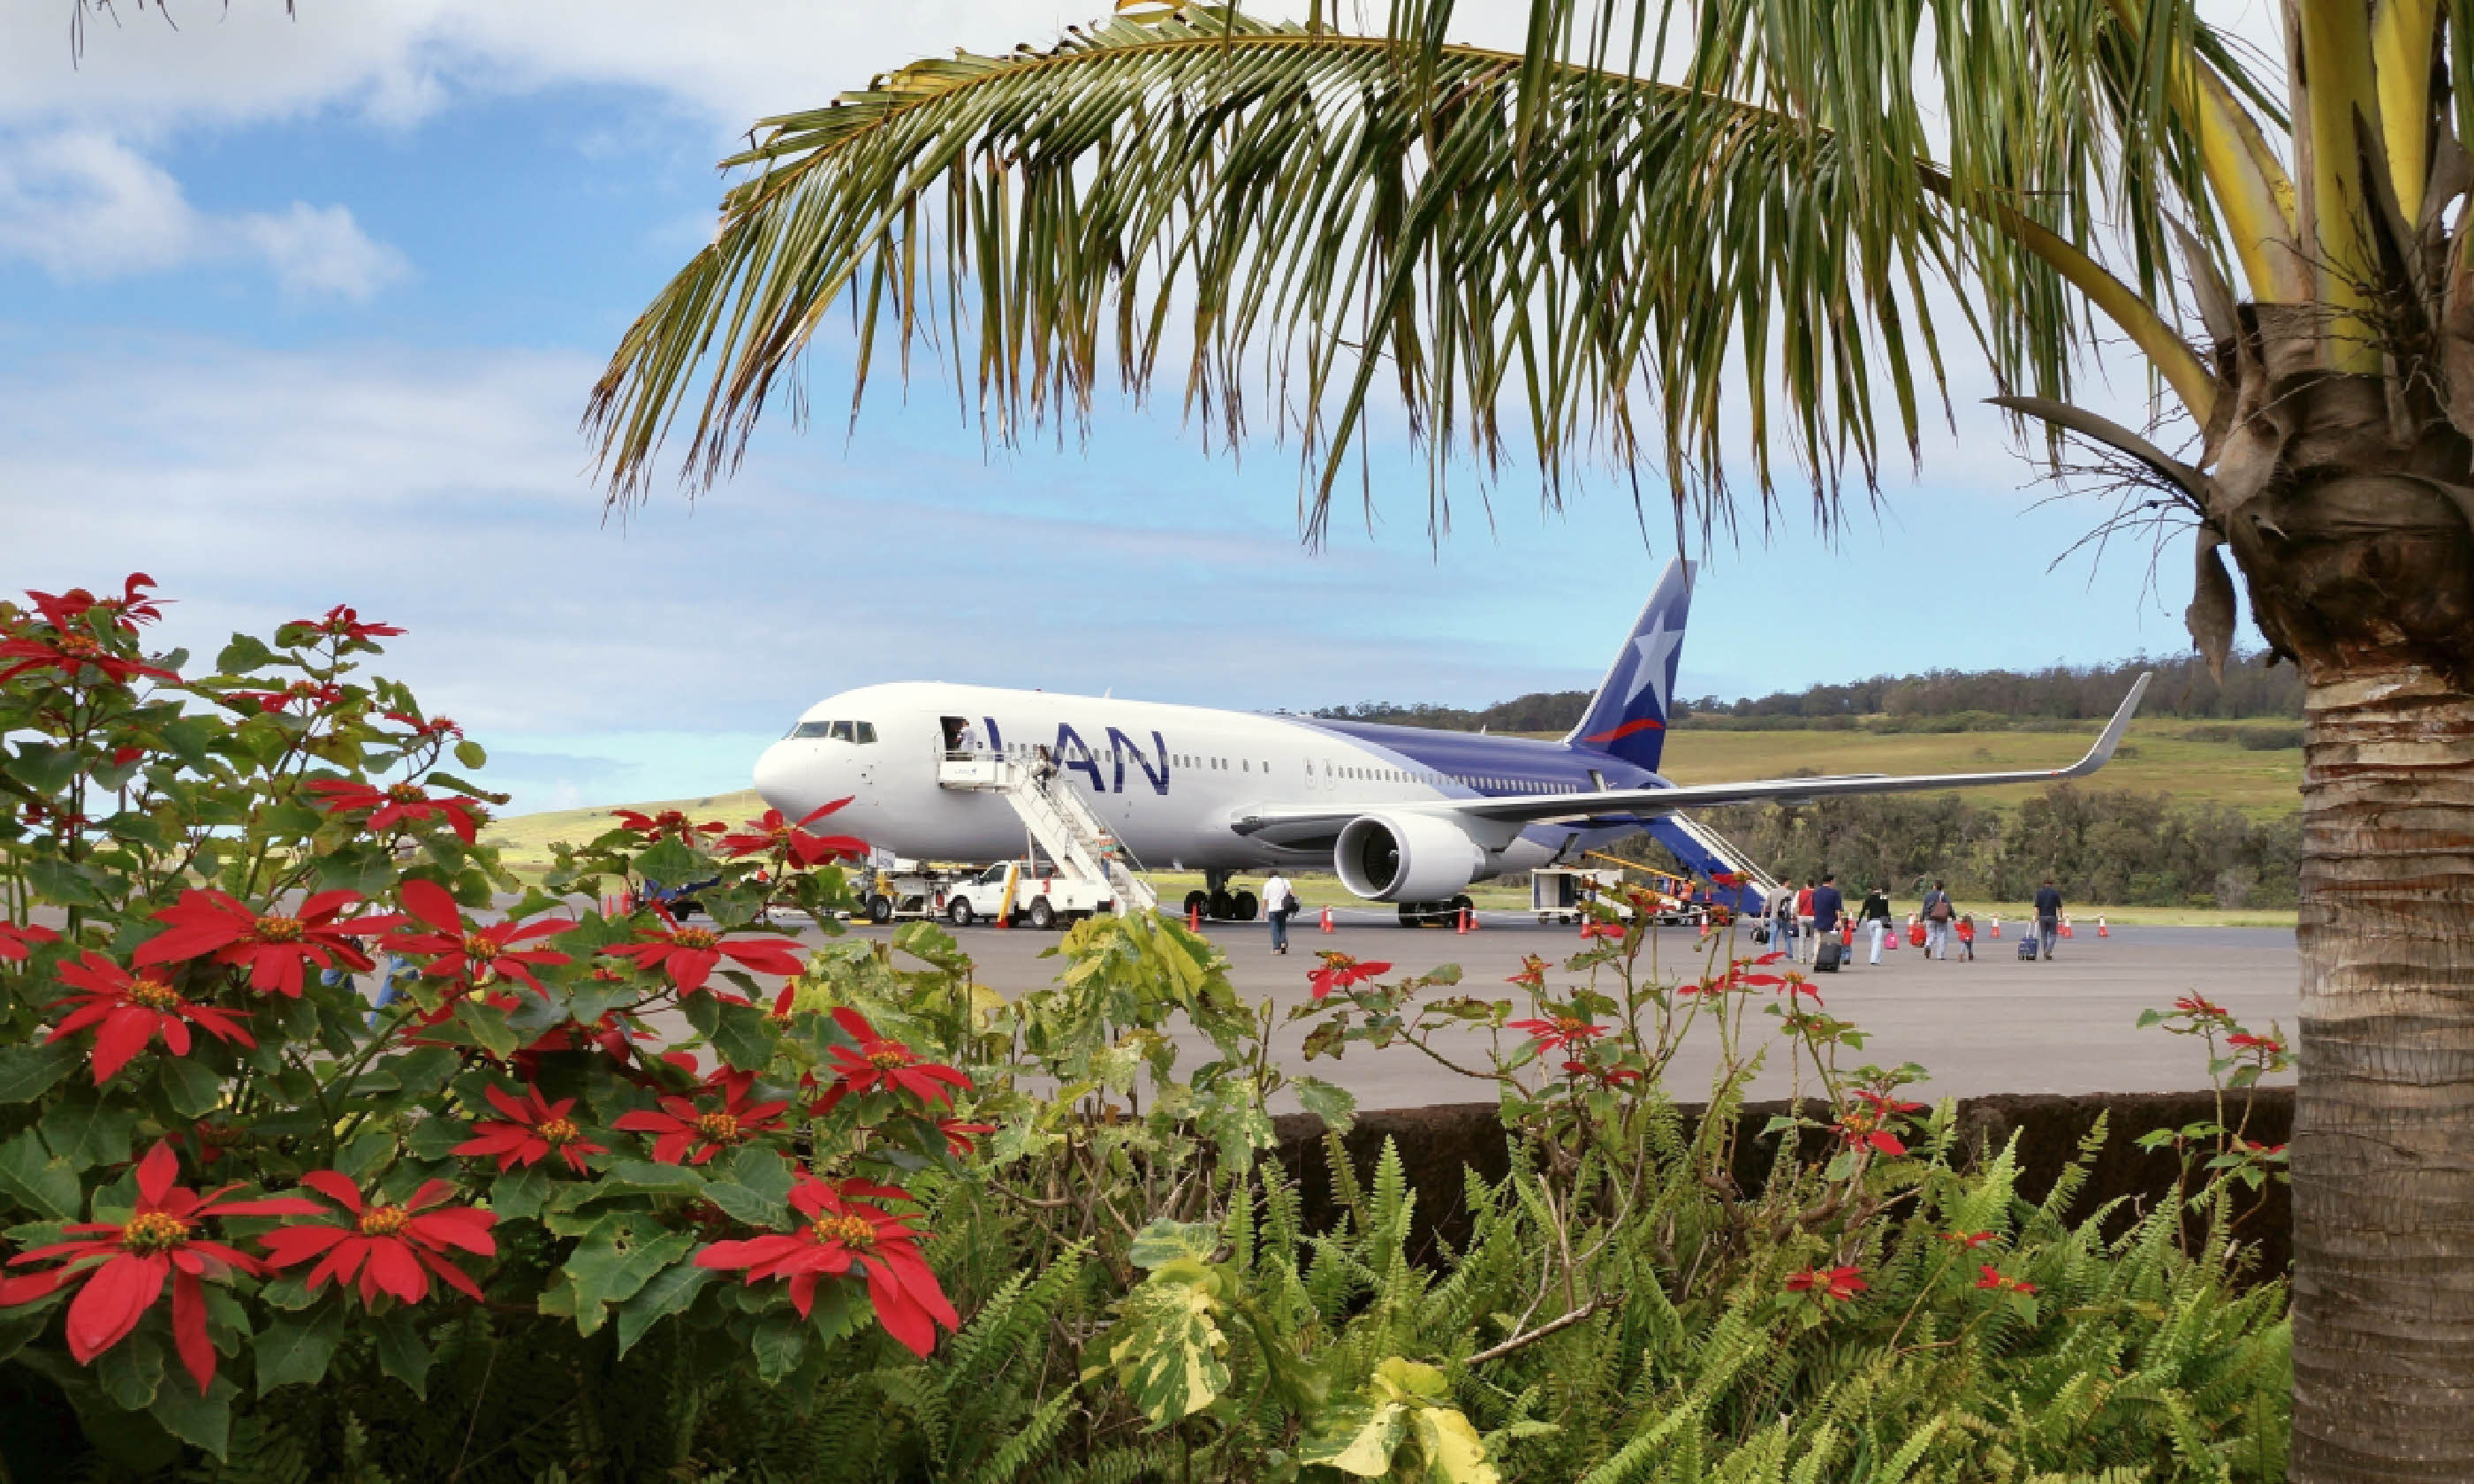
<point>1019,891</point>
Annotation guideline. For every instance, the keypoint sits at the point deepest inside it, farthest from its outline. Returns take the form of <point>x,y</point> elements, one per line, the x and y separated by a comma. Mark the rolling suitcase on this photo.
<point>1826,956</point>
<point>2027,948</point>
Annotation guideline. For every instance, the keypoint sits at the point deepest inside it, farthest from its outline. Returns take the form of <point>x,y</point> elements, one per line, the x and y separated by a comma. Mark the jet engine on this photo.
<point>1406,858</point>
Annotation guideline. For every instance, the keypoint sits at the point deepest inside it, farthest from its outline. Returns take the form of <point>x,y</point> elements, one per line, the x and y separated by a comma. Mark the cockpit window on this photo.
<point>866,732</point>
<point>809,730</point>
<point>840,732</point>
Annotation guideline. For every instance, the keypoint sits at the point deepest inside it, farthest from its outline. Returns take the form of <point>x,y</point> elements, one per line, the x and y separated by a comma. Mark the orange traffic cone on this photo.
<point>1472,919</point>
<point>2065,927</point>
<point>1194,918</point>
<point>1326,921</point>
<point>2101,930</point>
<point>1997,927</point>
<point>1462,928</point>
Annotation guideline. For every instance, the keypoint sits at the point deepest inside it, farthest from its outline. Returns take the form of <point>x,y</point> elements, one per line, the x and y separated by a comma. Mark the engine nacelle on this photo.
<point>1406,858</point>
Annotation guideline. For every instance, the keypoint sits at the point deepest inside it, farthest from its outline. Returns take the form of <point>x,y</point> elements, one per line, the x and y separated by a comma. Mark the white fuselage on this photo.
<point>1166,779</point>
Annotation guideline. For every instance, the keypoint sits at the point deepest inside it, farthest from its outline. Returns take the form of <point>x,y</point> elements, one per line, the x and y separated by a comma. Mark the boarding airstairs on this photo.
<point>1058,819</point>
<point>1708,852</point>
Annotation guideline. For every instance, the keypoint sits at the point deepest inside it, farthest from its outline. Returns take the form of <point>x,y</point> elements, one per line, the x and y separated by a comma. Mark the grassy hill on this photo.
<point>526,838</point>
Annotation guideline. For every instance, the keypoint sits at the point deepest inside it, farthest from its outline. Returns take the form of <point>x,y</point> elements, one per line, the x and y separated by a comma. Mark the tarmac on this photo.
<point>1996,1025</point>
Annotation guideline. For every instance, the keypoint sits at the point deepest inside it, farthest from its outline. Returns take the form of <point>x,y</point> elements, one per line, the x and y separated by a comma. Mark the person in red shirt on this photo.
<point>1808,942</point>
<point>1966,937</point>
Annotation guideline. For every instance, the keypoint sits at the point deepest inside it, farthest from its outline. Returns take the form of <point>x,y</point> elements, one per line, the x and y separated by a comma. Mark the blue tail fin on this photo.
<point>1627,718</point>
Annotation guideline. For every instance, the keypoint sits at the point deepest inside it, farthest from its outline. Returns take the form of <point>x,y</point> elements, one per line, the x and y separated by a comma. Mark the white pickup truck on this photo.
<point>1010,889</point>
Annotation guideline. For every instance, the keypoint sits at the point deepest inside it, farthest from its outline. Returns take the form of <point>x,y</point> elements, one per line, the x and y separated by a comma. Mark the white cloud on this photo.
<point>82,205</point>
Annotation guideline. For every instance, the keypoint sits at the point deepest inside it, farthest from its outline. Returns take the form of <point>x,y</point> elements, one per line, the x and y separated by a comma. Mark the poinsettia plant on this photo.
<point>292,1065</point>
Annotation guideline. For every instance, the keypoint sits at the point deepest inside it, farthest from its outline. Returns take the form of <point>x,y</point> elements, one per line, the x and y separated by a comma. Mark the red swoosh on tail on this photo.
<point>1638,723</point>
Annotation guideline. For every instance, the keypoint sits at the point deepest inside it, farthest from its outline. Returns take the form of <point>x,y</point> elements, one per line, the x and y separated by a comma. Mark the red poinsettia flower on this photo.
<point>879,1063</point>
<point>16,941</point>
<point>309,695</point>
<point>389,1249</point>
<point>1339,972</point>
<point>2201,1006</point>
<point>533,1127</point>
<point>1993,1281</point>
<point>689,955</point>
<point>1870,1124</point>
<point>959,1135</point>
<point>134,607</point>
<point>2245,1146</point>
<point>1833,1285</point>
<point>123,1265</point>
<point>1603,1076</point>
<point>775,835</point>
<point>72,653</point>
<point>670,823</point>
<point>680,1126</point>
<point>127,1012</point>
<point>844,1230</point>
<point>1594,928</point>
<point>458,949</point>
<point>214,924</point>
<point>433,727</point>
<point>1971,1241</point>
<point>1532,975</point>
<point>344,623</point>
<point>1559,1033</point>
<point>396,805</point>
<point>2267,1045</point>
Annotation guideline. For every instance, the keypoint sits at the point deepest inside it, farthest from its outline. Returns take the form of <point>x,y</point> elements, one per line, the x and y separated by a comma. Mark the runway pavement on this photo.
<point>1993,1025</point>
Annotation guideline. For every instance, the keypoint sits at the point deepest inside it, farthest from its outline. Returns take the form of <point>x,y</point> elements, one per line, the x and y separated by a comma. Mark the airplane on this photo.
<point>1406,815</point>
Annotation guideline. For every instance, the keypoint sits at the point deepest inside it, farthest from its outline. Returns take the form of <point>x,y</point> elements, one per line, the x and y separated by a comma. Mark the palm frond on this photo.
<point>1528,257</point>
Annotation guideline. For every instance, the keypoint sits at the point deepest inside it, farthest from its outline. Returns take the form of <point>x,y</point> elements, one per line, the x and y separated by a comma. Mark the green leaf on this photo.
<point>488,1027</point>
<point>627,1177</point>
<point>131,1371</point>
<point>35,1176</point>
<point>669,1292</point>
<point>760,1170</point>
<point>1165,1241</point>
<point>669,863</point>
<point>27,1072</point>
<point>1454,1452</point>
<point>193,1091</point>
<point>1356,1437</point>
<point>64,883</point>
<point>86,1132</point>
<point>401,1351</point>
<point>743,1037</point>
<point>743,1205</point>
<point>1337,1106</point>
<point>780,1341</point>
<point>471,755</point>
<point>1168,1350</point>
<point>618,1257</point>
<point>199,1421</point>
<point>519,1197</point>
<point>242,655</point>
<point>295,1349</point>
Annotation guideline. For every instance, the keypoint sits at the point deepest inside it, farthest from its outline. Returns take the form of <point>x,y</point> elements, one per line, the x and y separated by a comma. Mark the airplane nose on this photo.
<point>777,777</point>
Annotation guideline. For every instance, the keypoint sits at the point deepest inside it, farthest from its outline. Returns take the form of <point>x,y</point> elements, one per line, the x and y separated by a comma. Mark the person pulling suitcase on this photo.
<point>1827,906</point>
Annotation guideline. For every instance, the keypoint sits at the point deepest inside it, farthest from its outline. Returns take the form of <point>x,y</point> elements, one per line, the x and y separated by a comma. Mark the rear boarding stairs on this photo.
<point>1057,820</point>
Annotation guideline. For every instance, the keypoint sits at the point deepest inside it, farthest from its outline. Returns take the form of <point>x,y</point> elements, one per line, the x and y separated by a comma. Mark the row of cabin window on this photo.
<point>838,732</point>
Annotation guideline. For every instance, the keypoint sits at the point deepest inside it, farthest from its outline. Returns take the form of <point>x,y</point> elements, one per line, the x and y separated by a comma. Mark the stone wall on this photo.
<point>1438,1143</point>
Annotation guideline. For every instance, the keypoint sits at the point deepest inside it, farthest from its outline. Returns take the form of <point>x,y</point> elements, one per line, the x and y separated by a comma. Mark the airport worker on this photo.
<point>1940,912</point>
<point>1875,914</point>
<point>2048,915</point>
<point>1826,905</point>
<point>1281,900</point>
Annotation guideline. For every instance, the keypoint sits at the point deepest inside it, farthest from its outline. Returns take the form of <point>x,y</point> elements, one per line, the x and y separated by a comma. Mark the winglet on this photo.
<point>2103,752</point>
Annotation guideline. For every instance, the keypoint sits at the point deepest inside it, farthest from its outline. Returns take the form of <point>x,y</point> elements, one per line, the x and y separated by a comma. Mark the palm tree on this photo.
<point>1594,247</point>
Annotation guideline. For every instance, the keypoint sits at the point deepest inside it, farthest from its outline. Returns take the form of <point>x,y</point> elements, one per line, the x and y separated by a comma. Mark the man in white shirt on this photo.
<point>1279,900</point>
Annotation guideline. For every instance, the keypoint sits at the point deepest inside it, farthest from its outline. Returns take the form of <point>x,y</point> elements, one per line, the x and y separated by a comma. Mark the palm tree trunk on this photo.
<point>2382,1156</point>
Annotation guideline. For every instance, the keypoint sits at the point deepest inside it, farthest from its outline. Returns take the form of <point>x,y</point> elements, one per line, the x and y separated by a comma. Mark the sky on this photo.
<point>298,312</point>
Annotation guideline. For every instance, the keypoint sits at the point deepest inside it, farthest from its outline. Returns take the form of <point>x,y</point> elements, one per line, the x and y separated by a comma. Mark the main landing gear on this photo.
<point>1221,905</point>
<point>1435,914</point>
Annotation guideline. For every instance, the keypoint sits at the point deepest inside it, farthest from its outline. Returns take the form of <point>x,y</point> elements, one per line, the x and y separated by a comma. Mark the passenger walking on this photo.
<point>2048,915</point>
<point>1875,914</point>
<point>1939,914</point>
<point>1281,899</point>
<point>1827,907</point>
<point>1781,910</point>
<point>1803,920</point>
<point>1967,937</point>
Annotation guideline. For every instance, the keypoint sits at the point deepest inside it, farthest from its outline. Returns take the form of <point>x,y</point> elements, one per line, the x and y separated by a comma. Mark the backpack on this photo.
<point>1939,910</point>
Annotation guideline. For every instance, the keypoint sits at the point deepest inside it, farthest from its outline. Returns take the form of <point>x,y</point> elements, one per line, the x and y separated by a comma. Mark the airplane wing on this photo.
<point>1638,802</point>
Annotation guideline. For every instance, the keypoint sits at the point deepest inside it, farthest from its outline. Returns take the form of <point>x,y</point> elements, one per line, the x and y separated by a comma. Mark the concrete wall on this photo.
<point>1437,1144</point>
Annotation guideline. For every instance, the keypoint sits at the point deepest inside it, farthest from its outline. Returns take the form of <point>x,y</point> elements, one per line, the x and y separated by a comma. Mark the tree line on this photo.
<point>1983,700</point>
<point>2115,847</point>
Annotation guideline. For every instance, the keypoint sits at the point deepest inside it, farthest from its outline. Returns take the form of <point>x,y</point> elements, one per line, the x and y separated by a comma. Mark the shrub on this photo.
<point>883,1223</point>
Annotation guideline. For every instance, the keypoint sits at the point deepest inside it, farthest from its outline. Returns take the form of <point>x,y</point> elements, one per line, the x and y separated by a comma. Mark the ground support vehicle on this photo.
<point>1021,892</point>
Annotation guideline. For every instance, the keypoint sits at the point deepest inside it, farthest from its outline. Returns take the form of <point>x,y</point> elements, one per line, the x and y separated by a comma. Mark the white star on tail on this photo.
<point>1654,654</point>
